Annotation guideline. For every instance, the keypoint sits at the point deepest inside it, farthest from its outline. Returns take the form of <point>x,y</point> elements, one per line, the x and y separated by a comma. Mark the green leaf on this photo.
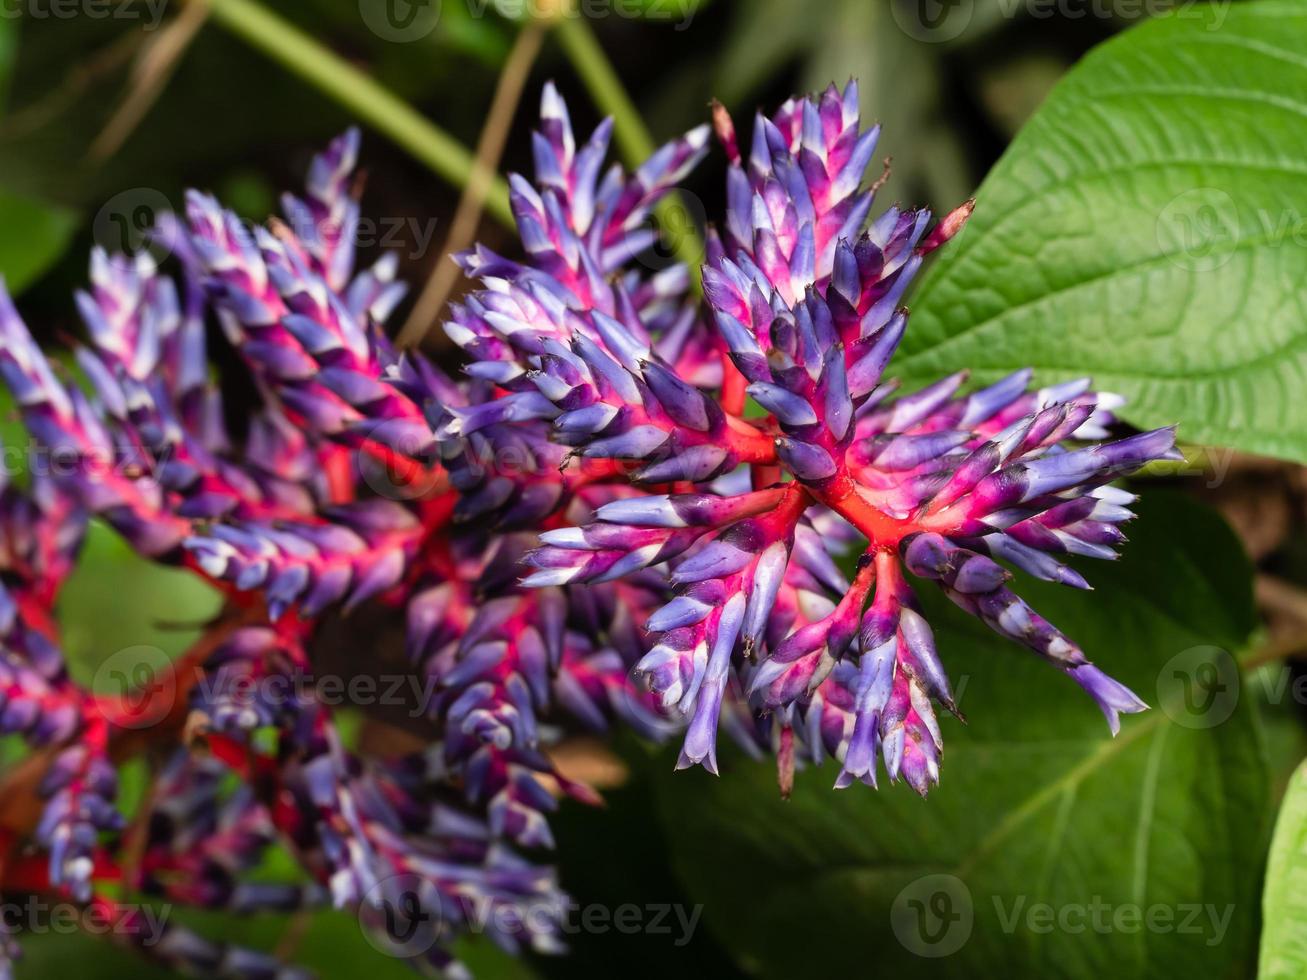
<point>331,944</point>
<point>1147,227</point>
<point>615,857</point>
<point>33,235</point>
<point>1040,817</point>
<point>1284,903</point>
<point>118,609</point>
<point>8,55</point>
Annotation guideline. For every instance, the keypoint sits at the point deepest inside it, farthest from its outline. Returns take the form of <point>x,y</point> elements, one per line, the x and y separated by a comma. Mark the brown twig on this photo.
<point>137,838</point>
<point>1282,597</point>
<point>155,64</point>
<point>75,84</point>
<point>489,151</point>
<point>292,937</point>
<point>1276,650</point>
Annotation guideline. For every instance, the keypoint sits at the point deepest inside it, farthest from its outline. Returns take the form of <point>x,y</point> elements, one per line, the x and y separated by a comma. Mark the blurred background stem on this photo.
<point>490,150</point>
<point>371,102</point>
<point>634,142</point>
<point>390,115</point>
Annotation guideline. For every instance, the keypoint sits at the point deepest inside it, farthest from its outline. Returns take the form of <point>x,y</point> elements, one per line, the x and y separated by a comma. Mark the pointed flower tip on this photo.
<point>708,762</point>
<point>949,226</point>
<point>724,126</point>
<point>1114,698</point>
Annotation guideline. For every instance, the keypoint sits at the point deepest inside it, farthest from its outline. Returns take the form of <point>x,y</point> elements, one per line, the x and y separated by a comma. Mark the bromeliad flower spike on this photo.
<point>803,312</point>
<point>587,528</point>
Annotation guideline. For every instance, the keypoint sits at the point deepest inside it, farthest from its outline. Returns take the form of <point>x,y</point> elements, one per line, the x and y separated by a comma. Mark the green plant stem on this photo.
<point>634,141</point>
<point>357,92</point>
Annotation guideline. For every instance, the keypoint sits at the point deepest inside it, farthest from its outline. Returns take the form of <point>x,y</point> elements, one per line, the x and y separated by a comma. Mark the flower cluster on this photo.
<point>633,506</point>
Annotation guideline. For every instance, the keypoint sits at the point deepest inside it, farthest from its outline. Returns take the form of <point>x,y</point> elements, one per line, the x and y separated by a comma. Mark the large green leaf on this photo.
<point>33,235</point>
<point>1048,843</point>
<point>615,856</point>
<point>118,608</point>
<point>1149,226</point>
<point>1284,904</point>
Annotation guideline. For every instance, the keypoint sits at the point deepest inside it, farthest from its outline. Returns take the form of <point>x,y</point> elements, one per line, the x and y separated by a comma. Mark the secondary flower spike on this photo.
<point>632,507</point>
<point>805,297</point>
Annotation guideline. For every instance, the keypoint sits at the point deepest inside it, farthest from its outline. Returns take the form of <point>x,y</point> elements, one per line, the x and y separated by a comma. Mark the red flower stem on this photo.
<point>750,444</point>
<point>733,385</point>
<point>406,471</point>
<point>788,510</point>
<point>883,531</point>
<point>765,475</point>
